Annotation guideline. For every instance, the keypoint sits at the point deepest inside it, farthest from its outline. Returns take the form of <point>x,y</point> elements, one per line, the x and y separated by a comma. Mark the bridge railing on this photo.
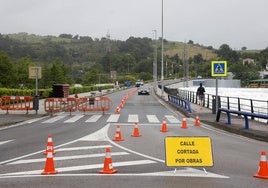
<point>232,103</point>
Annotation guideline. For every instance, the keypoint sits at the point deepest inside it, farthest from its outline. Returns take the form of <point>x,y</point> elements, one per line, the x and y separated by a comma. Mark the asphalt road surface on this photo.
<point>80,141</point>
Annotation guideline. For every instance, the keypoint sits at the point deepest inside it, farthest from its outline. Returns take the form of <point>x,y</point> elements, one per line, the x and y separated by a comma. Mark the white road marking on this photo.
<point>54,119</point>
<point>74,119</point>
<point>133,118</point>
<point>83,148</point>
<point>26,161</point>
<point>4,142</point>
<point>152,119</point>
<point>83,167</point>
<point>113,118</point>
<point>172,119</point>
<point>94,118</point>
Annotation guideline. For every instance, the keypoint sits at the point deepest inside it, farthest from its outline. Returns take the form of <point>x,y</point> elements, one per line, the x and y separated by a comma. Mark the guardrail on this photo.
<point>20,103</point>
<point>231,103</point>
<point>179,102</point>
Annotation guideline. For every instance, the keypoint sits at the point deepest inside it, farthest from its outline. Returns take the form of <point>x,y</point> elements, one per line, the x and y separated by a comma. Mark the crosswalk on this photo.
<point>113,118</point>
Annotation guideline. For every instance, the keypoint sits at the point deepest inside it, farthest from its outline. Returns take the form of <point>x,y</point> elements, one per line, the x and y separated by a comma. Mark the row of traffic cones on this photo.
<point>123,102</point>
<point>49,167</point>
<point>164,128</point>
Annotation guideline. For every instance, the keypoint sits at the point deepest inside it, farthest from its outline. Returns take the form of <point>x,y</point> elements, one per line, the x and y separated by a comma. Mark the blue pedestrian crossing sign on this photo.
<point>219,68</point>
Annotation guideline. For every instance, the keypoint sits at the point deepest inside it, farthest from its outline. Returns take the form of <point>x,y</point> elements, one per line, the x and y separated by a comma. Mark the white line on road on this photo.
<point>133,118</point>
<point>26,161</point>
<point>94,118</point>
<point>4,142</point>
<point>152,119</point>
<point>54,119</point>
<point>113,118</point>
<point>74,119</point>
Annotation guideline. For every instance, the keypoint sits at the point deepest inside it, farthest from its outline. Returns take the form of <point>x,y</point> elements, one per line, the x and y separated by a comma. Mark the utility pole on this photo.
<point>155,58</point>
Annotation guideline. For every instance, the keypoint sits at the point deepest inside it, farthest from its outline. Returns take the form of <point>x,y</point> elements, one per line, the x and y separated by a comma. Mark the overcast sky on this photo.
<point>237,23</point>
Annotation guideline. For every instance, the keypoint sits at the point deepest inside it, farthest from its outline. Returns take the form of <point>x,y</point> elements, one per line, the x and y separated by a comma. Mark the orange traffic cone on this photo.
<point>50,146</point>
<point>136,132</point>
<point>108,164</point>
<point>49,166</point>
<point>117,110</point>
<point>184,123</point>
<point>164,126</point>
<point>263,167</point>
<point>118,135</point>
<point>197,121</point>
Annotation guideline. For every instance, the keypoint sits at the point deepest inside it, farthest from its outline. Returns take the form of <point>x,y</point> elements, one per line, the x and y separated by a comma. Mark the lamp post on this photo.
<point>162,51</point>
<point>155,58</point>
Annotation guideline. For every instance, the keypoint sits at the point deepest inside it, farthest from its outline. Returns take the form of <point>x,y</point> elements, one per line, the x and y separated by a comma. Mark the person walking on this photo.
<point>201,94</point>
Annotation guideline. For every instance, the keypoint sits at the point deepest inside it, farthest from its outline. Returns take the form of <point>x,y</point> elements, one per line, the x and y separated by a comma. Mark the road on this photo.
<point>80,141</point>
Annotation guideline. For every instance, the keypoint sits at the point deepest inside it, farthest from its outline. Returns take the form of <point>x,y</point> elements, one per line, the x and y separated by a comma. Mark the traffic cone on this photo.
<point>108,164</point>
<point>136,132</point>
<point>184,123</point>
<point>118,135</point>
<point>263,167</point>
<point>50,146</point>
<point>49,166</point>
<point>117,110</point>
<point>197,121</point>
<point>164,127</point>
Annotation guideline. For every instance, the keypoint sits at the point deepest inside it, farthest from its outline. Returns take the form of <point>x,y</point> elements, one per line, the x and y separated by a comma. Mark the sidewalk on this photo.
<point>257,130</point>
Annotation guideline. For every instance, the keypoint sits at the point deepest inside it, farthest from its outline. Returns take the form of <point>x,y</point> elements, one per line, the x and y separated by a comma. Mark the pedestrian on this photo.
<point>201,94</point>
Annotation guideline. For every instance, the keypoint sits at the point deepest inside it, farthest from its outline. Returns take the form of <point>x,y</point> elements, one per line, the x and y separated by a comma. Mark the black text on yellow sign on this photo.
<point>188,151</point>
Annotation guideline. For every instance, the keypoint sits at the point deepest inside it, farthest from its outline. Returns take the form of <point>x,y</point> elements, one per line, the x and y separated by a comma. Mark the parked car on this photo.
<point>144,90</point>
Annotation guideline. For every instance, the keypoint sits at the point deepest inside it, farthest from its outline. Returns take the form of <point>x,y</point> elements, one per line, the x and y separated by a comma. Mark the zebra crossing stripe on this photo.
<point>152,119</point>
<point>74,119</point>
<point>4,142</point>
<point>54,119</point>
<point>172,119</point>
<point>132,118</point>
<point>28,161</point>
<point>113,118</point>
<point>93,118</point>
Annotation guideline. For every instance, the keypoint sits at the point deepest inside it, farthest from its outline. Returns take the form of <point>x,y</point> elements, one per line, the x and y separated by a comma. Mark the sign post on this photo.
<point>188,151</point>
<point>218,69</point>
<point>35,73</point>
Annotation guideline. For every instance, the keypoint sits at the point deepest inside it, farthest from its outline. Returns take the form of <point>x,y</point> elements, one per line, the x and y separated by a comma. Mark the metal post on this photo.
<point>162,51</point>
<point>217,100</point>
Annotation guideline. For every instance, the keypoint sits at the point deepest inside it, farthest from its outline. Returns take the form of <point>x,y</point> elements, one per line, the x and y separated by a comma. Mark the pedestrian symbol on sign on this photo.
<point>219,68</point>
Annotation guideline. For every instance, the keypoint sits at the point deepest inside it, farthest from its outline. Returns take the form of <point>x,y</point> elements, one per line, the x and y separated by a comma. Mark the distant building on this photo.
<point>248,61</point>
<point>262,83</point>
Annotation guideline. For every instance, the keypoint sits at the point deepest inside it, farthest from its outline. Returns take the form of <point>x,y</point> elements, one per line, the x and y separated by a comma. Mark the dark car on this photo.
<point>144,90</point>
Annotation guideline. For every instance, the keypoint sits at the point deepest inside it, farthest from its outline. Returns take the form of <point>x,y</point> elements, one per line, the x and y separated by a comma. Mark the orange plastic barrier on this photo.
<point>16,103</point>
<point>86,104</point>
<point>53,105</point>
<point>69,105</point>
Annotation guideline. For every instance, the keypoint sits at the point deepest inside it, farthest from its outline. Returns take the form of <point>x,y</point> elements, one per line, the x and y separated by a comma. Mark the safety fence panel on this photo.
<point>94,104</point>
<point>16,103</point>
<point>83,104</point>
<point>53,105</point>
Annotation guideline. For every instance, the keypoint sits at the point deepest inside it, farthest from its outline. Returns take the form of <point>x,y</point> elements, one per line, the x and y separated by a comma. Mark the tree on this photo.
<point>226,53</point>
<point>91,77</point>
<point>8,78</point>
<point>22,72</point>
<point>58,72</point>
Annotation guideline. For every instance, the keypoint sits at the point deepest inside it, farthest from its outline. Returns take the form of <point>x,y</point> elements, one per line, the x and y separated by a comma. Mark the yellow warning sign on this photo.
<point>188,151</point>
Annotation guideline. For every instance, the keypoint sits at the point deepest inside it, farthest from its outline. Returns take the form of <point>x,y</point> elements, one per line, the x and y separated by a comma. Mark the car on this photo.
<point>139,83</point>
<point>144,90</point>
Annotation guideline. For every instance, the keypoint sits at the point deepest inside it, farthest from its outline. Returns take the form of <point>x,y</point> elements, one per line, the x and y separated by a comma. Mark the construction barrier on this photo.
<point>16,103</point>
<point>84,104</point>
<point>87,104</point>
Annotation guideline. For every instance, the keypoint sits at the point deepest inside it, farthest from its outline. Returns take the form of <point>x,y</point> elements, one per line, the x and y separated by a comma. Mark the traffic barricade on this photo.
<point>17,103</point>
<point>89,104</point>
<point>69,105</point>
<point>53,105</point>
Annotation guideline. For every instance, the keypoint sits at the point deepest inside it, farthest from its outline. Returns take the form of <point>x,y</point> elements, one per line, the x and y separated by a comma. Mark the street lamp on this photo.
<point>162,52</point>
<point>155,58</point>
